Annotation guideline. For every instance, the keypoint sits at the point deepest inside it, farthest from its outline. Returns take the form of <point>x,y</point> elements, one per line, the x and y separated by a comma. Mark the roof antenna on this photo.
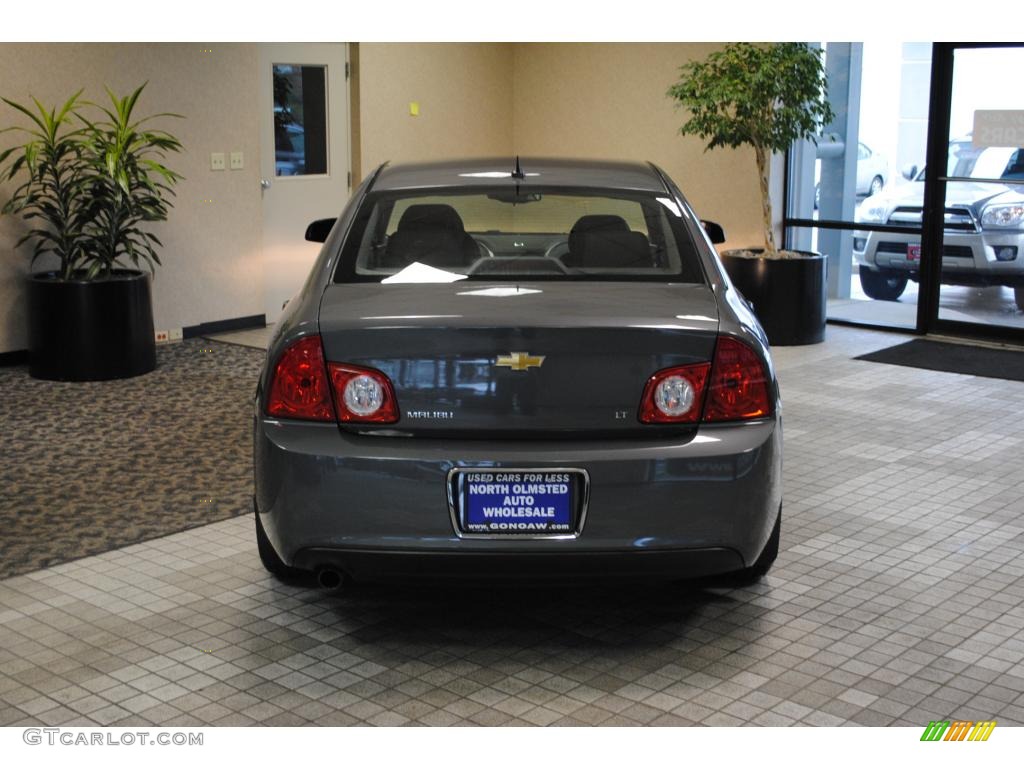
<point>518,172</point>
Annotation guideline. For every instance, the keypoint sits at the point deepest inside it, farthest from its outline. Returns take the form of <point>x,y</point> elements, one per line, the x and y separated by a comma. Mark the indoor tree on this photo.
<point>765,96</point>
<point>130,184</point>
<point>56,177</point>
<point>91,184</point>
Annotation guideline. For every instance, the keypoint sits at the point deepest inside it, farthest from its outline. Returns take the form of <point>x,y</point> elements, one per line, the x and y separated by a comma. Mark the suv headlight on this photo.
<point>874,214</point>
<point>1003,215</point>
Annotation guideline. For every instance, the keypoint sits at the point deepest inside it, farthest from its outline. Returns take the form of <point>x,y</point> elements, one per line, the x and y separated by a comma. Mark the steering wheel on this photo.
<point>559,248</point>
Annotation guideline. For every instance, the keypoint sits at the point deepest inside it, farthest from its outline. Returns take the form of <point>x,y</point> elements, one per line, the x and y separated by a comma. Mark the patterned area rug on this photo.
<point>89,467</point>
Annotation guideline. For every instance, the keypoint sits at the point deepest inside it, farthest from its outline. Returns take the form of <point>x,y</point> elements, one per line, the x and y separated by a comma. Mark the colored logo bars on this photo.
<point>958,730</point>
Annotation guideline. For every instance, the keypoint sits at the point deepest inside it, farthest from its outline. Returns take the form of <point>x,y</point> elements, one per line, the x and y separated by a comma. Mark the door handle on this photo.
<point>265,184</point>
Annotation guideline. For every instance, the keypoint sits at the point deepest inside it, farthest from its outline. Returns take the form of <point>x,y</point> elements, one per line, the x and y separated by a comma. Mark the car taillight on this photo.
<point>739,384</point>
<point>733,387</point>
<point>299,388</point>
<point>363,395</point>
<point>675,395</point>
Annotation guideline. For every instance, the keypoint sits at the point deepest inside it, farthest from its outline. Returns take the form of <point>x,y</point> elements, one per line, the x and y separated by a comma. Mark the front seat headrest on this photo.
<point>434,215</point>
<point>602,221</point>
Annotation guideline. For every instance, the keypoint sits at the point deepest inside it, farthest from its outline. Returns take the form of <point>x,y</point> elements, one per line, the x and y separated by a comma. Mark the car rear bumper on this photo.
<point>693,506</point>
<point>477,567</point>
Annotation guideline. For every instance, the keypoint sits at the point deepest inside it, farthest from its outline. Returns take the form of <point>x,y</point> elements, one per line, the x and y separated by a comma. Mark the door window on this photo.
<point>300,120</point>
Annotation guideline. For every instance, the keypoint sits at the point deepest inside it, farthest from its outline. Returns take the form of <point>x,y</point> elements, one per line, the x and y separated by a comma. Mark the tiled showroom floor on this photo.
<point>898,598</point>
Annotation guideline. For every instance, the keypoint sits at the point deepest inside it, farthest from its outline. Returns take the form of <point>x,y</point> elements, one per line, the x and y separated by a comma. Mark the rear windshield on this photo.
<point>508,234</point>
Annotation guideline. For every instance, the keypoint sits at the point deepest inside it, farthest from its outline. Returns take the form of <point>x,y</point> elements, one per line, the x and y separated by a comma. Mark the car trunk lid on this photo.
<point>539,359</point>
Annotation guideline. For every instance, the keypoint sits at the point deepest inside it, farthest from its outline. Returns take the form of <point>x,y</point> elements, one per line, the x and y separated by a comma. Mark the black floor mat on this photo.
<point>953,358</point>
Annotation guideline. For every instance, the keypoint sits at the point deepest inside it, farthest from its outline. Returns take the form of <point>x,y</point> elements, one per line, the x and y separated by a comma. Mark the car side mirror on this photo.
<point>715,231</point>
<point>909,171</point>
<point>318,231</point>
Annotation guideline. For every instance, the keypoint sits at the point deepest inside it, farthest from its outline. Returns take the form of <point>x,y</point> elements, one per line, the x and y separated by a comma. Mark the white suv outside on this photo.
<point>983,243</point>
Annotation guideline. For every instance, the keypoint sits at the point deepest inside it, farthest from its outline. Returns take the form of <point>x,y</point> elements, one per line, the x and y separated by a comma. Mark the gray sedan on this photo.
<point>505,369</point>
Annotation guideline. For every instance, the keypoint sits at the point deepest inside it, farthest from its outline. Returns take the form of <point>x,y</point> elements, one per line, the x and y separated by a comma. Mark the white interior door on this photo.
<point>304,156</point>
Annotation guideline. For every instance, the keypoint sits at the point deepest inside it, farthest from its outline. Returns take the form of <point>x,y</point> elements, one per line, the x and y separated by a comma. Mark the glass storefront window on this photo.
<point>982,278</point>
<point>869,156</point>
<point>858,196</point>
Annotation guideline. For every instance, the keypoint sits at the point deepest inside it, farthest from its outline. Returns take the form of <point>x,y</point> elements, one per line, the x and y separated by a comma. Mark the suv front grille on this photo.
<point>957,218</point>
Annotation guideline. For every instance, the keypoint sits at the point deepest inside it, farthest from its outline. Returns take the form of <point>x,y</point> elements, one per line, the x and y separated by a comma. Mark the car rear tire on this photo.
<point>764,561</point>
<point>876,185</point>
<point>269,557</point>
<point>1018,294</point>
<point>883,285</point>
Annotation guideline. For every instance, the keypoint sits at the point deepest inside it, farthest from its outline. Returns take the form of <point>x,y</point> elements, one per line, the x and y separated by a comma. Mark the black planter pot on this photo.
<point>788,295</point>
<point>90,330</point>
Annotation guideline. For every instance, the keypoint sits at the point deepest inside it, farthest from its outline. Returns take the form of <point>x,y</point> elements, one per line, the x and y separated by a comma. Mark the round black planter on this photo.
<point>90,330</point>
<point>788,295</point>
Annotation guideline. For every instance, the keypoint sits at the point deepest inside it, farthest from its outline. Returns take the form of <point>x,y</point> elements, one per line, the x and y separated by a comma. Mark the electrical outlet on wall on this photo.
<point>162,337</point>
<point>217,161</point>
<point>175,334</point>
<point>237,161</point>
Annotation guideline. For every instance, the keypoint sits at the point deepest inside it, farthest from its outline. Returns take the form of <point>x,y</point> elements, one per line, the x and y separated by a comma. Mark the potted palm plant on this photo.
<point>764,97</point>
<point>94,182</point>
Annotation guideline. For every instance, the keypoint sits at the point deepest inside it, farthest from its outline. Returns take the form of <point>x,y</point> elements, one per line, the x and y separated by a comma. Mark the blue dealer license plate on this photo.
<point>518,502</point>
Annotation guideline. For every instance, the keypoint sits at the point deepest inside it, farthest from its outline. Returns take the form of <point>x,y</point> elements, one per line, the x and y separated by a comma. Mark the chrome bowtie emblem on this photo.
<point>520,361</point>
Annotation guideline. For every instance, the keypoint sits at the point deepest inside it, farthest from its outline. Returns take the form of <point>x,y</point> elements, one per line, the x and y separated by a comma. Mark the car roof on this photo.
<point>548,172</point>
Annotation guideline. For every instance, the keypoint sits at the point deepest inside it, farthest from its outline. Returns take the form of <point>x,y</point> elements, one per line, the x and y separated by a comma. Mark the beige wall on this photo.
<point>603,100</point>
<point>608,100</point>
<point>476,99</point>
<point>212,264</point>
<point>464,91</point>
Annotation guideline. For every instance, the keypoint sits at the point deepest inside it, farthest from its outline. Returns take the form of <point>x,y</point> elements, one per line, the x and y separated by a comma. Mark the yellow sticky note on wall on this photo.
<point>414,108</point>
